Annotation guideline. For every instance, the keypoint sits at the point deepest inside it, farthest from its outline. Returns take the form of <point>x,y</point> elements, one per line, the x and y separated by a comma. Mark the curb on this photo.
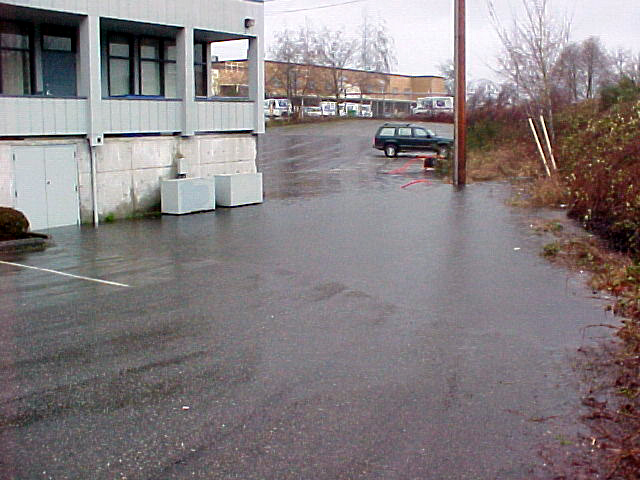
<point>34,243</point>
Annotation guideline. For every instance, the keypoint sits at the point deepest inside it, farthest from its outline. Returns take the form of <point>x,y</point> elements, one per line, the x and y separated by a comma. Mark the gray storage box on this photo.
<point>234,190</point>
<point>187,195</point>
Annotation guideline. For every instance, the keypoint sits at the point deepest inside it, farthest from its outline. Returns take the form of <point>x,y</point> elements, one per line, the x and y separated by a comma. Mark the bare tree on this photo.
<point>375,53</point>
<point>620,61</point>
<point>297,50</point>
<point>531,48</point>
<point>481,94</point>
<point>448,71</point>
<point>307,56</point>
<point>286,50</point>
<point>584,68</point>
<point>627,65</point>
<point>375,48</point>
<point>569,71</point>
<point>335,50</point>
<point>596,64</point>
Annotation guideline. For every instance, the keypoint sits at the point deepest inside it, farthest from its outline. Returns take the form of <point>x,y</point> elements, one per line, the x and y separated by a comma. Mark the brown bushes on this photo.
<point>13,224</point>
<point>601,159</point>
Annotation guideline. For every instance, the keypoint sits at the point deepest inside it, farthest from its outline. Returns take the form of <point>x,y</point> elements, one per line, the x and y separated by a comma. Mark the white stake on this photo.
<point>535,135</point>
<point>546,136</point>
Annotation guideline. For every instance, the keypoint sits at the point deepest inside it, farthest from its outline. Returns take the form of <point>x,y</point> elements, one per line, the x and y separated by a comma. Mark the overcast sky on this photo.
<point>423,29</point>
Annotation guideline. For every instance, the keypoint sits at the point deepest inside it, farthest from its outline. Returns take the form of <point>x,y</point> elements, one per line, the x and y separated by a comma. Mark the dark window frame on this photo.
<point>201,62</point>
<point>27,28</point>
<point>130,58</point>
<point>161,60</point>
<point>136,60</point>
<point>71,33</point>
<point>61,32</point>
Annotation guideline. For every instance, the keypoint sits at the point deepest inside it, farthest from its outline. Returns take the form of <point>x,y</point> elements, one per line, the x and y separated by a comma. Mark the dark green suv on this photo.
<point>398,137</point>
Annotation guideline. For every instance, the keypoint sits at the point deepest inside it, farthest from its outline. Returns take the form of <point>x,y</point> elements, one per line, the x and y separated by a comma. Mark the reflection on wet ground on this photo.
<point>346,328</point>
<point>334,158</point>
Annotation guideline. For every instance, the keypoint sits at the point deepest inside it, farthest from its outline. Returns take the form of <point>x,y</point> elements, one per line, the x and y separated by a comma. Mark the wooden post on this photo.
<point>535,135</point>
<point>460,126</point>
<point>546,136</point>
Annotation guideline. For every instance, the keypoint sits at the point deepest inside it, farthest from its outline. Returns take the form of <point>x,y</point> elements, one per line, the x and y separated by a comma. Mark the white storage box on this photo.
<point>238,189</point>
<point>187,195</point>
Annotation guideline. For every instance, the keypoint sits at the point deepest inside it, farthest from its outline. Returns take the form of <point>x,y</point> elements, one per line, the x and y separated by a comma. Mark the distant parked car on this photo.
<point>312,111</point>
<point>365,111</point>
<point>328,108</point>
<point>393,138</point>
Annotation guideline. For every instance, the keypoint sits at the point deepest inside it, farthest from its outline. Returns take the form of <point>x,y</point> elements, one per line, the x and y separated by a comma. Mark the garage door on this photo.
<point>46,184</point>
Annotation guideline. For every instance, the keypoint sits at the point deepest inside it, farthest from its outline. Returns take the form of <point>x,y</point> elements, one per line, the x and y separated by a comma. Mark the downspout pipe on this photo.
<point>94,184</point>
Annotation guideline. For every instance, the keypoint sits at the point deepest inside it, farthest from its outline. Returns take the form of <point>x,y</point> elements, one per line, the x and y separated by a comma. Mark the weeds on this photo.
<point>551,250</point>
<point>598,152</point>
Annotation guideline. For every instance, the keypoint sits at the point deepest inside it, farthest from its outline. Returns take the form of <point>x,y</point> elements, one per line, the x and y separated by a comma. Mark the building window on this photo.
<point>142,66</point>
<point>120,60</point>
<point>158,67</point>
<point>200,69</point>
<point>150,67</point>
<point>170,70</point>
<point>15,59</point>
<point>58,61</point>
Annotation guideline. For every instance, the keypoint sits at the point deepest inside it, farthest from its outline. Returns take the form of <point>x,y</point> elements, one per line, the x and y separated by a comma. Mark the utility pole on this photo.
<point>460,125</point>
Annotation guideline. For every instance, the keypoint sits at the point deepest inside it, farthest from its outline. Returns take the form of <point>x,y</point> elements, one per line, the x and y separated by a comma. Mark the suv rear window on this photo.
<point>387,132</point>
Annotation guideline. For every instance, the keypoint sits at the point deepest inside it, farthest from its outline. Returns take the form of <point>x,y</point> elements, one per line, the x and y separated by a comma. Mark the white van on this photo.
<point>433,105</point>
<point>328,109</point>
<point>277,107</point>
<point>365,111</point>
<point>349,109</point>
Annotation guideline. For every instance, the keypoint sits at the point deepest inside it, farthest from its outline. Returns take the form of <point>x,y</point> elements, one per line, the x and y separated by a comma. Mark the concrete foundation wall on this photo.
<point>129,169</point>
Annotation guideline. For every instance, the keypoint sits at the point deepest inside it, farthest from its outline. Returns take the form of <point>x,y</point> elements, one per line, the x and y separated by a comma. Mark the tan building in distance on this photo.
<point>308,85</point>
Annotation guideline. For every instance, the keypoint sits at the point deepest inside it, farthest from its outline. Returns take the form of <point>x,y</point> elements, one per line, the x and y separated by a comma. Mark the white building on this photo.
<point>99,97</point>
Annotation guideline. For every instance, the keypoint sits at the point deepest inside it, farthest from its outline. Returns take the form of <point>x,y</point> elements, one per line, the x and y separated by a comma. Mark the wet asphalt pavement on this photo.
<point>347,328</point>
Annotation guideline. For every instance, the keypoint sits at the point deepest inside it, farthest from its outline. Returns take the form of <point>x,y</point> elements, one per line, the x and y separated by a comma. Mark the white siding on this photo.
<point>216,116</point>
<point>220,15</point>
<point>22,116</point>
<point>141,116</point>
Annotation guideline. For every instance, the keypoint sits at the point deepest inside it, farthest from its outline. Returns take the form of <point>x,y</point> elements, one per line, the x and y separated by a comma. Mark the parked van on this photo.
<point>365,111</point>
<point>349,109</point>
<point>328,109</point>
<point>433,105</point>
<point>277,107</point>
<point>312,111</point>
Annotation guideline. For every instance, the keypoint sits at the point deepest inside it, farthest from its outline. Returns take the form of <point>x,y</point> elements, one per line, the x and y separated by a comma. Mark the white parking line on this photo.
<point>79,277</point>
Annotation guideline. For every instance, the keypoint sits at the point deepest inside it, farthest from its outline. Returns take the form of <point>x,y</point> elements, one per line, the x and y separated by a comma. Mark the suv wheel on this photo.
<point>443,151</point>
<point>390,150</point>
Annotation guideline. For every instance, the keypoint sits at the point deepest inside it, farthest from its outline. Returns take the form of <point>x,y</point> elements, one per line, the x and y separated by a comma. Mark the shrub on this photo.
<point>626,90</point>
<point>13,224</point>
<point>602,164</point>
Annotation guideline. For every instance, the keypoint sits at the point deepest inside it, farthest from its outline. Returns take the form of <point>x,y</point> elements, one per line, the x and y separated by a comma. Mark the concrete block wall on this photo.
<point>129,169</point>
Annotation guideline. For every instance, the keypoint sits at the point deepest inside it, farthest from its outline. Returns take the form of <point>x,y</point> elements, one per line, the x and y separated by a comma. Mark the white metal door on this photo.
<point>30,185</point>
<point>61,185</point>
<point>46,185</point>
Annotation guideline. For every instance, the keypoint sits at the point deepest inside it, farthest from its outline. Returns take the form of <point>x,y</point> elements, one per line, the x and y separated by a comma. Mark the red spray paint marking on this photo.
<point>416,181</point>
<point>403,168</point>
